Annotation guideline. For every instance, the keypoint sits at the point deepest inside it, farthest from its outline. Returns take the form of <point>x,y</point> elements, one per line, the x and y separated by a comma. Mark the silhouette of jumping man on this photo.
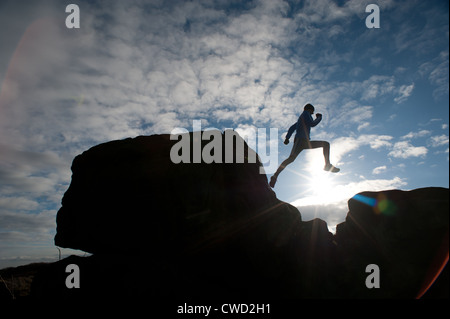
<point>302,141</point>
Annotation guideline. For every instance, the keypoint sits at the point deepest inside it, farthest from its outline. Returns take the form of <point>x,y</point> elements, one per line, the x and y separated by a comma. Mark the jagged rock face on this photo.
<point>218,231</point>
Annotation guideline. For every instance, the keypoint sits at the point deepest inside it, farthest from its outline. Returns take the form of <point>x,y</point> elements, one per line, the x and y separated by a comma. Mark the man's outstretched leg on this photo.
<point>283,165</point>
<point>296,149</point>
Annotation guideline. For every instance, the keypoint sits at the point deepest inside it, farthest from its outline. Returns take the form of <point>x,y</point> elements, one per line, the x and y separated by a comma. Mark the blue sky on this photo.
<point>146,67</point>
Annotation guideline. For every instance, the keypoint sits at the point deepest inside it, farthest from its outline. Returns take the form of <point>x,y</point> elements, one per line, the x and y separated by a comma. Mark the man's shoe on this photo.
<point>273,180</point>
<point>331,168</point>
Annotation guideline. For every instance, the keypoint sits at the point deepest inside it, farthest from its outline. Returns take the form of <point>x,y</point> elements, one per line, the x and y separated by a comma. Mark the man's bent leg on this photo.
<point>326,154</point>
<point>326,149</point>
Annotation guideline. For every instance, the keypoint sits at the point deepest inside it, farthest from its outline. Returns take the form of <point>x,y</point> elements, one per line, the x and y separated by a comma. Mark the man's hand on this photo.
<point>286,141</point>
<point>318,115</point>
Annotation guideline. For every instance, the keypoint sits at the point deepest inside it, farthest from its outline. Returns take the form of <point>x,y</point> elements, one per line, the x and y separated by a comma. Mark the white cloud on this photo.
<point>404,92</point>
<point>40,224</point>
<point>405,150</point>
<point>151,68</point>
<point>363,126</point>
<point>439,77</point>
<point>392,117</point>
<point>440,140</point>
<point>344,145</point>
<point>379,170</point>
<point>376,86</point>
<point>41,174</point>
<point>24,233</point>
<point>376,141</point>
<point>18,203</point>
<point>326,11</point>
<point>437,70</point>
<point>420,133</point>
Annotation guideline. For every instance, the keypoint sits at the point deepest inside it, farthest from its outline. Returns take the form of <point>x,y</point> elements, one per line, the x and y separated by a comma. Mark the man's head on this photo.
<point>309,107</point>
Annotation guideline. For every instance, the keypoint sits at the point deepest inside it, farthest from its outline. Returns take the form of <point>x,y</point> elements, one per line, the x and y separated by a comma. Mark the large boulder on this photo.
<point>128,195</point>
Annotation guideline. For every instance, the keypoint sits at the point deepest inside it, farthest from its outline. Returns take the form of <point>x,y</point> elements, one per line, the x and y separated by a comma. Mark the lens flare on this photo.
<point>380,205</point>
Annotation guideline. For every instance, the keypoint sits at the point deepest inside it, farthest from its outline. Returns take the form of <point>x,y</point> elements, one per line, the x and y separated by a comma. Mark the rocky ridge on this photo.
<point>214,231</point>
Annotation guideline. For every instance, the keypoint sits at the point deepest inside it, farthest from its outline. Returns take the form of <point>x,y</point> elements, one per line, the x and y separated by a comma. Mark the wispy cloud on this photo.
<point>139,70</point>
<point>412,135</point>
<point>405,150</point>
<point>343,145</point>
<point>379,170</point>
<point>436,72</point>
<point>439,140</point>
<point>404,92</point>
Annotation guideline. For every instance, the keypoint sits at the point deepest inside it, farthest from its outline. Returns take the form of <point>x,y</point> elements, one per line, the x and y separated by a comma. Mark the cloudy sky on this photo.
<point>145,67</point>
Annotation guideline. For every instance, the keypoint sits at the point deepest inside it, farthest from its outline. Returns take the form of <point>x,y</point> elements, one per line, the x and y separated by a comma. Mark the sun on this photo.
<point>321,184</point>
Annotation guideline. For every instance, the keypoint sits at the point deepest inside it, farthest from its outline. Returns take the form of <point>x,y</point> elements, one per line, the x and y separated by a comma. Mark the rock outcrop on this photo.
<point>405,233</point>
<point>214,231</point>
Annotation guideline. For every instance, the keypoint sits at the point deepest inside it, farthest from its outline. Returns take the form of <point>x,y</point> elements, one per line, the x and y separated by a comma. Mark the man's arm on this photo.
<point>312,122</point>
<point>291,131</point>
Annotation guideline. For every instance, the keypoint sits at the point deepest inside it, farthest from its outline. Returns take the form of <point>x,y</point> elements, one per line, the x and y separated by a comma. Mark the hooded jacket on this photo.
<point>303,126</point>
